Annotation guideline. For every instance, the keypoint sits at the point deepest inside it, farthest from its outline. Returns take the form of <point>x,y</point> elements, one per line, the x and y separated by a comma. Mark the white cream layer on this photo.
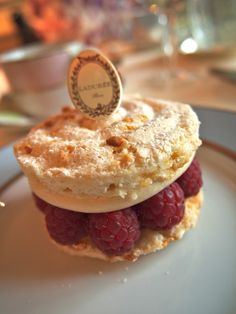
<point>102,204</point>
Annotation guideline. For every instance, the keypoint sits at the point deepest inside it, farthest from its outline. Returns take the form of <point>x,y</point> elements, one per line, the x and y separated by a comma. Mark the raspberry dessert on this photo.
<point>118,188</point>
<point>191,179</point>
<point>163,210</point>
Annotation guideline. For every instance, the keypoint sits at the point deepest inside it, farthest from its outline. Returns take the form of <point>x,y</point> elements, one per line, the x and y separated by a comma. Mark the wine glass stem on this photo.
<point>170,40</point>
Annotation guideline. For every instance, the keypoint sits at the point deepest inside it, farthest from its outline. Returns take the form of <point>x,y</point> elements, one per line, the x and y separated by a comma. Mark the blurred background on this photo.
<point>182,50</point>
<point>115,26</point>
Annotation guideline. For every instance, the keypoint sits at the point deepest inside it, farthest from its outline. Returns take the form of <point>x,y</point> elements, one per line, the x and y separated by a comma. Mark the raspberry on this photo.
<point>164,210</point>
<point>114,233</point>
<point>65,226</point>
<point>41,204</point>
<point>191,179</point>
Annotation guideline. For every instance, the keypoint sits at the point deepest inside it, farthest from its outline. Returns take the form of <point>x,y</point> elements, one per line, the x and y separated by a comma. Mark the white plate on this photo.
<point>192,276</point>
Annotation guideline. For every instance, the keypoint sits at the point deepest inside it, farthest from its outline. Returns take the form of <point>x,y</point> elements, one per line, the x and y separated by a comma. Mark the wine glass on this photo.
<point>166,11</point>
<point>170,9</point>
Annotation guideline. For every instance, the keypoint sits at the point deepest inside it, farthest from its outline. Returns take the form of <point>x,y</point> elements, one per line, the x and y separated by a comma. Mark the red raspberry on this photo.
<point>65,226</point>
<point>41,204</point>
<point>191,179</point>
<point>164,210</point>
<point>114,233</point>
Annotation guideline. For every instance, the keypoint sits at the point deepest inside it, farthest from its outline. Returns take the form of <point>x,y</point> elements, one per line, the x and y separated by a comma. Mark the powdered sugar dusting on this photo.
<point>71,154</point>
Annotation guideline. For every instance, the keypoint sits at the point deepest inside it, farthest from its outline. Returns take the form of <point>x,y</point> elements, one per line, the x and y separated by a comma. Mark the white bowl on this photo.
<point>38,67</point>
<point>41,104</point>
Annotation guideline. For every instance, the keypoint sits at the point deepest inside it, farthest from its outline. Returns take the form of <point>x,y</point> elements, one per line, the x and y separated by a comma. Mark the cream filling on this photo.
<point>102,204</point>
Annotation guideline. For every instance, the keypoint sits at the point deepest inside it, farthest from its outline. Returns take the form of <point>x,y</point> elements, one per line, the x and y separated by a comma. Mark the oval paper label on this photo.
<point>94,84</point>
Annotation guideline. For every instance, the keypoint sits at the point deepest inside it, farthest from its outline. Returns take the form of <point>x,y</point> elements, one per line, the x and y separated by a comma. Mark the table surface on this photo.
<point>203,89</point>
<point>142,72</point>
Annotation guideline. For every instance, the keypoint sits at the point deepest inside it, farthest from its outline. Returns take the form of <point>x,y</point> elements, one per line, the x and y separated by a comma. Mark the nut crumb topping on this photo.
<point>116,141</point>
<point>28,149</point>
<point>145,141</point>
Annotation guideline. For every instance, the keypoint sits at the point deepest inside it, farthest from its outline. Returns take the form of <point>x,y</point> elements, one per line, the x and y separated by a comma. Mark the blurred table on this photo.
<point>205,89</point>
<point>141,71</point>
<point>6,135</point>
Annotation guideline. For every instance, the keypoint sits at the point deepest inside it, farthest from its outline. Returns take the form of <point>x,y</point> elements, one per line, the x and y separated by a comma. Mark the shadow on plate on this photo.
<point>28,254</point>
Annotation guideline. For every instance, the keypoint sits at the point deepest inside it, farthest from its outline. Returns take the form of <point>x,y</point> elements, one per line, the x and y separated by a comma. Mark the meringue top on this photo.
<point>145,142</point>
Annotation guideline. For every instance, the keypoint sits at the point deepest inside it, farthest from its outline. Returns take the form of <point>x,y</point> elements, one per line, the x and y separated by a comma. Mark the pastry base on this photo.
<point>149,242</point>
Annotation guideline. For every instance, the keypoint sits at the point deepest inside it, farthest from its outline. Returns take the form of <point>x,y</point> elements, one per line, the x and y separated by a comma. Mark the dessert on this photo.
<point>116,188</point>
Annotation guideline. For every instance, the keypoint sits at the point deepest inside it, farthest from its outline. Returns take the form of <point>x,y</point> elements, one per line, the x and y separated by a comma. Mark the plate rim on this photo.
<point>7,149</point>
<point>206,143</point>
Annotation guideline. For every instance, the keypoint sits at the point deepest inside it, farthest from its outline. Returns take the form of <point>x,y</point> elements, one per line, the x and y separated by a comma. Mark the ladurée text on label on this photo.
<point>94,86</point>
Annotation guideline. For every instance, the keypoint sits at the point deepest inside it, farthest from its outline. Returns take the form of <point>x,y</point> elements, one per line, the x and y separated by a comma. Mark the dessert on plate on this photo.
<point>117,188</point>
